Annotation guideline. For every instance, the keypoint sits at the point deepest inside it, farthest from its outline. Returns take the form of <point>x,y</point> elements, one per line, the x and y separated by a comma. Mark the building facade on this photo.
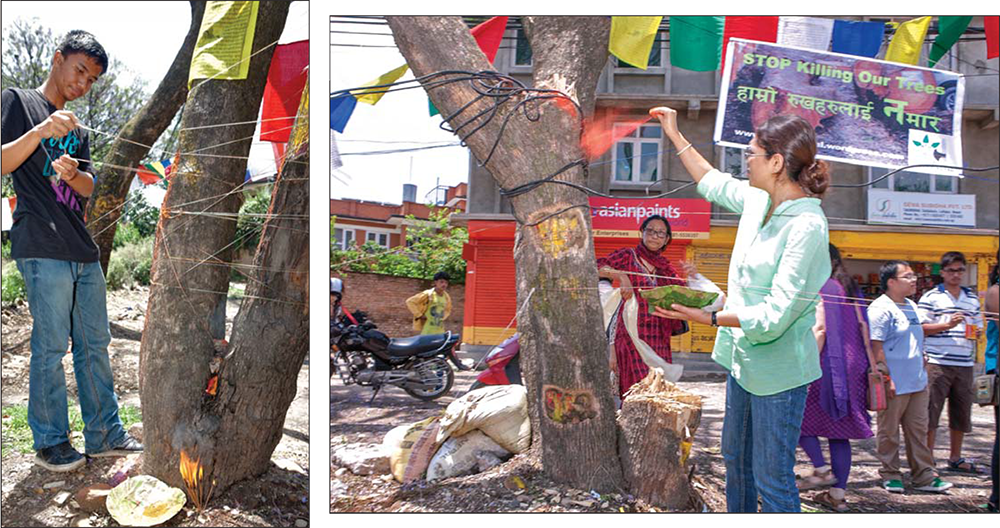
<point>644,162</point>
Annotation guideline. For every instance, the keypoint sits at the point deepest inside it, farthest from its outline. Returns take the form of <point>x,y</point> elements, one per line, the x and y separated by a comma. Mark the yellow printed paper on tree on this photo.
<point>632,38</point>
<point>224,42</point>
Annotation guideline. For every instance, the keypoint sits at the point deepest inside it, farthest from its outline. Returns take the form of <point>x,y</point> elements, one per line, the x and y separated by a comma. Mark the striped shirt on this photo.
<point>950,347</point>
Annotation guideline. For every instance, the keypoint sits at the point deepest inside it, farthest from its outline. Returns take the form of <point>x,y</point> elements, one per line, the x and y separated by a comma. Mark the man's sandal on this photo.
<point>964,466</point>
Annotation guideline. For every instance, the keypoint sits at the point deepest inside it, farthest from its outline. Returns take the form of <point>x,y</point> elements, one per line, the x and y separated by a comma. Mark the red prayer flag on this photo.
<point>762,28</point>
<point>992,26</point>
<point>285,81</point>
<point>147,177</point>
<point>489,34</point>
<point>279,155</point>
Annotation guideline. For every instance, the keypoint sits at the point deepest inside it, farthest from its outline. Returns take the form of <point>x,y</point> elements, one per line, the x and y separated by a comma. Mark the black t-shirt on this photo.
<point>48,218</point>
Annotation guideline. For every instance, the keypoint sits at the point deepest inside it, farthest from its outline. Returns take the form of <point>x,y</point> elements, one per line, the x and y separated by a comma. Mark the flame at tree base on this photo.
<point>193,472</point>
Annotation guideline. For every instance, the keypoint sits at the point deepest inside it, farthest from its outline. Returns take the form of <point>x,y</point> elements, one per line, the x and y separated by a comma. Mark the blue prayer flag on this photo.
<point>341,108</point>
<point>857,38</point>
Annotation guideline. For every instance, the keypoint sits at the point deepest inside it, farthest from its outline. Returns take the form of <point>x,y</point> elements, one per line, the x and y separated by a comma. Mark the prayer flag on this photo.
<point>225,39</point>
<point>632,38</point>
<point>805,32</point>
<point>286,78</point>
<point>863,39</point>
<point>147,176</point>
<point>949,29</point>
<point>696,42</point>
<point>488,35</point>
<point>341,108</point>
<point>335,161</point>
<point>992,26</point>
<point>760,28</point>
<point>907,41</point>
<point>390,77</point>
<point>6,215</point>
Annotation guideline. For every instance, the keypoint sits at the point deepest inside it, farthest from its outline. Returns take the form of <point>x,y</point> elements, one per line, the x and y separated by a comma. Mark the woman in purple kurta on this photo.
<point>836,405</point>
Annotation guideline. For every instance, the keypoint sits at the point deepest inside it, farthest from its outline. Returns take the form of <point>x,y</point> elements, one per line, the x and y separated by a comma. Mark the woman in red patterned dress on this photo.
<point>641,268</point>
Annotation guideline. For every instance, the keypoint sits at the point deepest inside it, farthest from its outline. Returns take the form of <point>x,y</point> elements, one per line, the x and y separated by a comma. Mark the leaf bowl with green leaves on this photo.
<point>664,296</point>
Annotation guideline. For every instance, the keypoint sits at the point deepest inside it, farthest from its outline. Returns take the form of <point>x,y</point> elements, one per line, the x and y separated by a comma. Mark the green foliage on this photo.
<point>17,434</point>
<point>125,234</point>
<point>131,264</point>
<point>5,250</point>
<point>250,222</point>
<point>109,104</point>
<point>139,214</point>
<point>433,246</point>
<point>12,288</point>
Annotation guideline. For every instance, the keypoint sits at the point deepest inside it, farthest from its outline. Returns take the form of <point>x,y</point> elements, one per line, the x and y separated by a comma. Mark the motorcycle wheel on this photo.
<point>446,378</point>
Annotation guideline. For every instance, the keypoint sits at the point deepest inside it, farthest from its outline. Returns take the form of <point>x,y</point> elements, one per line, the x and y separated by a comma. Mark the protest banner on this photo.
<point>865,111</point>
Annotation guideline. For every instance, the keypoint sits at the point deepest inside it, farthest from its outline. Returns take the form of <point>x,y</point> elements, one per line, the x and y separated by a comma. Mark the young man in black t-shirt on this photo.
<point>47,154</point>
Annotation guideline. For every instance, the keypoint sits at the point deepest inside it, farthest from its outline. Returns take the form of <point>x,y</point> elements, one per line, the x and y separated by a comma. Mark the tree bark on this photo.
<point>656,420</point>
<point>190,277</point>
<point>104,208</point>
<point>563,346</point>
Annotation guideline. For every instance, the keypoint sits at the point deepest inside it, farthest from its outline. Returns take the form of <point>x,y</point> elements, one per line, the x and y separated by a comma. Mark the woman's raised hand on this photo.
<point>668,119</point>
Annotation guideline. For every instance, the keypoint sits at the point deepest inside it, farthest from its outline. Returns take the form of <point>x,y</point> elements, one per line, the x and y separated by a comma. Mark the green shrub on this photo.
<point>13,284</point>
<point>250,222</point>
<point>139,214</point>
<point>5,250</point>
<point>126,234</point>
<point>131,264</point>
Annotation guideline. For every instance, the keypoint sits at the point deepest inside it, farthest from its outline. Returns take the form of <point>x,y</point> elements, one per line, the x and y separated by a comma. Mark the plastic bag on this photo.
<point>460,455</point>
<point>697,281</point>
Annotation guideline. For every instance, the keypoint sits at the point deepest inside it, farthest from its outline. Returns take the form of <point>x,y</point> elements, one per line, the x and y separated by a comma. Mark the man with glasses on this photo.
<point>952,321</point>
<point>897,341</point>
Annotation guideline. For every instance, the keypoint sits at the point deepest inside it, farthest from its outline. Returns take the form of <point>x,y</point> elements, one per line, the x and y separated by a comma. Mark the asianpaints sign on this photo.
<point>621,217</point>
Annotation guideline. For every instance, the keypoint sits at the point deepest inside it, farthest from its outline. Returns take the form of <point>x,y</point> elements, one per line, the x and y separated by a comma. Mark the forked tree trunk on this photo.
<point>190,276</point>
<point>563,346</point>
<point>104,208</point>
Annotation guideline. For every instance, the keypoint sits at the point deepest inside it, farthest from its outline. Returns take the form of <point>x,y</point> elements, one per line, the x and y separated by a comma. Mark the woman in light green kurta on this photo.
<point>779,264</point>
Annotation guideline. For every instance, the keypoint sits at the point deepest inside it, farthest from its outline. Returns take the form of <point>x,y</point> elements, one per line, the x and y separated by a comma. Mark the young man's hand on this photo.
<point>66,167</point>
<point>955,320</point>
<point>57,125</point>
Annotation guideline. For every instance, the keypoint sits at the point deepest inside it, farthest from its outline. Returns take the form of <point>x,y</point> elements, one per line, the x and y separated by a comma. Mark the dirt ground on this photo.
<point>35,497</point>
<point>354,420</point>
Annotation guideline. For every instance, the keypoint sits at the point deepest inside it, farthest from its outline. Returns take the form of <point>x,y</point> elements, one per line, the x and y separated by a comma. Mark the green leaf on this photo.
<point>917,143</point>
<point>927,139</point>
<point>935,145</point>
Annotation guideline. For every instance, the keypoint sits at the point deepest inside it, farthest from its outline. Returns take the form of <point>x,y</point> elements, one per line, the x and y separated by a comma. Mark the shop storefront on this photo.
<point>491,293</point>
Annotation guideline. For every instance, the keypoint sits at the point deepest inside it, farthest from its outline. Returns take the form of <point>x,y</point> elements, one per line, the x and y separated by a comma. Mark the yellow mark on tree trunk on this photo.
<point>556,233</point>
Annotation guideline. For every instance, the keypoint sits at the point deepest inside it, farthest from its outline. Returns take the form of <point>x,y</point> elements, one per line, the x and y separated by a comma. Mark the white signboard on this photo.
<point>7,219</point>
<point>890,207</point>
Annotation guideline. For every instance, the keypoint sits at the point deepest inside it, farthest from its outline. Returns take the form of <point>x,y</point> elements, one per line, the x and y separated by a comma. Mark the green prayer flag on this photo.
<point>950,28</point>
<point>433,109</point>
<point>696,42</point>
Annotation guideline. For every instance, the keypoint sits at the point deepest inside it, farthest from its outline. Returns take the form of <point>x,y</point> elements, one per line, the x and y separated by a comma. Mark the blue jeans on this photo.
<point>68,299</point>
<point>759,436</point>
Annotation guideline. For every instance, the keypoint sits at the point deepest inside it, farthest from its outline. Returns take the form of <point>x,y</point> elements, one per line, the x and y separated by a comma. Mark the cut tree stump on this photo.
<point>656,425</point>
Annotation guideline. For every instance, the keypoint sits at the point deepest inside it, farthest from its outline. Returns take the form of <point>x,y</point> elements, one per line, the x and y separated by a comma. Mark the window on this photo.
<point>655,55</point>
<point>636,158</point>
<point>733,161</point>
<point>343,238</point>
<point>913,182</point>
<point>522,50</point>
<point>382,239</point>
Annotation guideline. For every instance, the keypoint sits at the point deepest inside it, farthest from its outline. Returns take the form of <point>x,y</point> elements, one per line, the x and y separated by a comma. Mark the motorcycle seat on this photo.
<point>411,346</point>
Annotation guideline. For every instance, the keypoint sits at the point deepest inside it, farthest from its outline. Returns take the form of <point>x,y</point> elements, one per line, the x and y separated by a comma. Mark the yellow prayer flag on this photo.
<point>907,41</point>
<point>225,40</point>
<point>632,37</point>
<point>386,78</point>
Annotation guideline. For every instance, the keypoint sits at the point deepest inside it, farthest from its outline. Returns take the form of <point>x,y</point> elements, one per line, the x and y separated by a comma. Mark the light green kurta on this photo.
<point>775,276</point>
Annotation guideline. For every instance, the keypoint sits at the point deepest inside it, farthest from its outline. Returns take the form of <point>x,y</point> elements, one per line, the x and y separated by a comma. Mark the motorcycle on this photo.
<point>362,355</point>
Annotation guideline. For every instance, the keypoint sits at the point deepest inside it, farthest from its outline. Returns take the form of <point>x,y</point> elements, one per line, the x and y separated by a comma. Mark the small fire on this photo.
<point>193,472</point>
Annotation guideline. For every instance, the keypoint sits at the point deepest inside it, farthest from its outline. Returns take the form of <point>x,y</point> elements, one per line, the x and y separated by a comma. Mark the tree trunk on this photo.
<point>270,337</point>
<point>656,422</point>
<point>104,208</point>
<point>563,345</point>
<point>190,275</point>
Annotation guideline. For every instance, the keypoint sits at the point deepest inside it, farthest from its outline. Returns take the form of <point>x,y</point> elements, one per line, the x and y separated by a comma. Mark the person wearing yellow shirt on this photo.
<point>431,307</point>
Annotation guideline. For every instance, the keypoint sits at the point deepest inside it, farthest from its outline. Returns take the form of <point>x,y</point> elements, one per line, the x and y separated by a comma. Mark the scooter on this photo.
<point>502,365</point>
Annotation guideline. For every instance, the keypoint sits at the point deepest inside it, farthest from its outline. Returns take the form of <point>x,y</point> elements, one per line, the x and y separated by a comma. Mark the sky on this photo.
<point>147,49</point>
<point>399,117</point>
